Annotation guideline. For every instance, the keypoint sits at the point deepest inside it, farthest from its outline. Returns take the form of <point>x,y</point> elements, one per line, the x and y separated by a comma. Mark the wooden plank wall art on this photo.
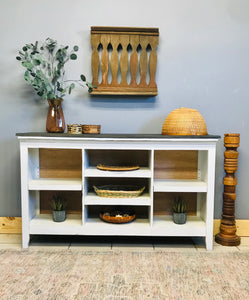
<point>124,60</point>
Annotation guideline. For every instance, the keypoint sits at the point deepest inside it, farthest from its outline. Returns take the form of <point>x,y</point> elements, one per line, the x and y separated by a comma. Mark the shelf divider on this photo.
<point>57,184</point>
<point>181,185</point>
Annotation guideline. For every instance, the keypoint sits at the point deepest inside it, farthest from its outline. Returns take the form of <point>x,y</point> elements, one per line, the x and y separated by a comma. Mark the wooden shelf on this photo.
<point>163,224</point>
<point>95,226</point>
<point>140,173</point>
<point>43,224</point>
<point>56,184</point>
<point>93,199</point>
<point>181,185</point>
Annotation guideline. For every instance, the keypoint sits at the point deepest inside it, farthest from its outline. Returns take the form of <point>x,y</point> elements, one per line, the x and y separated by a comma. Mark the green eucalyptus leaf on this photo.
<point>75,48</point>
<point>26,76</point>
<point>36,62</point>
<point>83,77</point>
<point>24,48</point>
<point>27,64</point>
<point>73,56</point>
<point>72,86</point>
<point>18,58</point>
<point>44,96</point>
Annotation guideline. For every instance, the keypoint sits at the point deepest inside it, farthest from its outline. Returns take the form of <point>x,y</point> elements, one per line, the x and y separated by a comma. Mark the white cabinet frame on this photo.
<point>154,225</point>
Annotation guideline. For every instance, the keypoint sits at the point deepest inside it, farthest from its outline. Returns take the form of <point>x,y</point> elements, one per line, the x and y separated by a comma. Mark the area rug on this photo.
<point>107,275</point>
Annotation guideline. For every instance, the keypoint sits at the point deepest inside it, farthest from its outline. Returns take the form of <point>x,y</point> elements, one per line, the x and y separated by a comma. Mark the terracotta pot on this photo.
<point>55,118</point>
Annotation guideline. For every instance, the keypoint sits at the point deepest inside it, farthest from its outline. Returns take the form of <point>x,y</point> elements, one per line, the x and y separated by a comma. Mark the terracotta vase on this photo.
<point>55,117</point>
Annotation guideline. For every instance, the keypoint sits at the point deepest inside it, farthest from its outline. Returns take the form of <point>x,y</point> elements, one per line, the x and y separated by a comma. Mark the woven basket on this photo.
<point>184,121</point>
<point>91,128</point>
<point>117,191</point>
<point>74,129</point>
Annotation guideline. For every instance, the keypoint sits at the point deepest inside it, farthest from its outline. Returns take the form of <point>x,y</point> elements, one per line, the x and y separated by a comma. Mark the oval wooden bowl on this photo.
<point>184,121</point>
<point>117,220</point>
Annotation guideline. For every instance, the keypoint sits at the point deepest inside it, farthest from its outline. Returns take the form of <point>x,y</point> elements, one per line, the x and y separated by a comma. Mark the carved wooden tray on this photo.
<point>117,168</point>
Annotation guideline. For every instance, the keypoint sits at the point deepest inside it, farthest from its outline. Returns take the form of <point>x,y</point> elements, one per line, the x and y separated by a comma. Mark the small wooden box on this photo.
<point>91,129</point>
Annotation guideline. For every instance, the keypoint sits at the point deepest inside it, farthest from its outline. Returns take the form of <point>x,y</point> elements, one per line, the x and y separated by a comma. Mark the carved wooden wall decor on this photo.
<point>227,235</point>
<point>124,60</point>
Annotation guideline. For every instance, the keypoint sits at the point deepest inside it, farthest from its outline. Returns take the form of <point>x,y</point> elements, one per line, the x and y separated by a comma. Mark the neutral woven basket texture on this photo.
<point>184,121</point>
<point>105,192</point>
<point>74,128</point>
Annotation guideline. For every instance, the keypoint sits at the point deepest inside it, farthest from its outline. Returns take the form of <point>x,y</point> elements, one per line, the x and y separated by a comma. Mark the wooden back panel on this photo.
<point>176,164</point>
<point>73,200</point>
<point>118,157</point>
<point>60,163</point>
<point>163,202</point>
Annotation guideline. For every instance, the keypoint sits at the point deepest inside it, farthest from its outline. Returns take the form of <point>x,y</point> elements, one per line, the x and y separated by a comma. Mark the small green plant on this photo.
<point>57,203</point>
<point>180,206</point>
<point>44,64</point>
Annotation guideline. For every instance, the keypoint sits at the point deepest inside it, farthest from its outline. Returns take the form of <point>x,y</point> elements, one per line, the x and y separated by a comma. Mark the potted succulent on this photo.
<point>58,206</point>
<point>179,211</point>
<point>45,72</point>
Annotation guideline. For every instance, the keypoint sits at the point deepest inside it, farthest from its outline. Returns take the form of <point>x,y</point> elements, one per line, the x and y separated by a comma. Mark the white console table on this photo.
<point>67,163</point>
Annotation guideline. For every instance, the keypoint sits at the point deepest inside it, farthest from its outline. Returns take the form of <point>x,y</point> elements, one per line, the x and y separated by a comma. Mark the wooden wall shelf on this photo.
<point>124,60</point>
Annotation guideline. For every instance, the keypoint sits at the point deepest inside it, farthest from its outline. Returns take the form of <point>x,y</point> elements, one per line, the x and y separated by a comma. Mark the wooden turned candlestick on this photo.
<point>227,235</point>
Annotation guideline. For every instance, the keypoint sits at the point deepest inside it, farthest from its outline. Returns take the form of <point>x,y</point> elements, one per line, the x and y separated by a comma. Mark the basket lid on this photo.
<point>184,121</point>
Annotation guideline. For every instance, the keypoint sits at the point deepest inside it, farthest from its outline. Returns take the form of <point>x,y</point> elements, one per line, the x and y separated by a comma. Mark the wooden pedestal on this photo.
<point>227,235</point>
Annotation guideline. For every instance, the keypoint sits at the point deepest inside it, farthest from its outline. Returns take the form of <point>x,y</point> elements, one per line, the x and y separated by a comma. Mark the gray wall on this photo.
<point>203,63</point>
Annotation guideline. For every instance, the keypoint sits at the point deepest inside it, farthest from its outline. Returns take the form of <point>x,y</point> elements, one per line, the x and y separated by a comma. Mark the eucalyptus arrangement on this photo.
<point>45,68</point>
<point>45,72</point>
